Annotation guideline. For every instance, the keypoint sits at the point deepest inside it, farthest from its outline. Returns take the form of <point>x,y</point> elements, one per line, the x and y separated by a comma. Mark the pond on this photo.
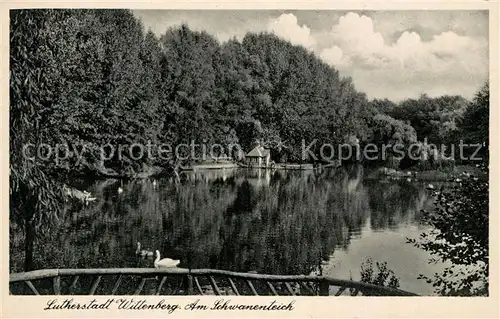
<point>273,222</point>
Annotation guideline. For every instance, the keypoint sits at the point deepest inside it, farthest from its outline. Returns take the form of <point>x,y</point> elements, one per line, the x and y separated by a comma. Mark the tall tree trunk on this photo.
<point>29,243</point>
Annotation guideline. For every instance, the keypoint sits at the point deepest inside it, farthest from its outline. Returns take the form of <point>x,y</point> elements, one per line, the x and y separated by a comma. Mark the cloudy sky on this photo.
<point>389,54</point>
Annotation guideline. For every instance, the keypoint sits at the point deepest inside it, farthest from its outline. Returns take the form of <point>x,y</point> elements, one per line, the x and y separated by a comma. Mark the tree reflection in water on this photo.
<point>275,222</point>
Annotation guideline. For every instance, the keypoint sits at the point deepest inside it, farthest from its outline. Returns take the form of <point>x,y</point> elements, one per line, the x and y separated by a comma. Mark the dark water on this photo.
<point>281,222</point>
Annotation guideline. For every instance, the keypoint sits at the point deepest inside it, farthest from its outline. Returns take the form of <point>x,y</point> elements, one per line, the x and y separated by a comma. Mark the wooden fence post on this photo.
<point>324,288</point>
<point>57,285</point>
<point>190,285</point>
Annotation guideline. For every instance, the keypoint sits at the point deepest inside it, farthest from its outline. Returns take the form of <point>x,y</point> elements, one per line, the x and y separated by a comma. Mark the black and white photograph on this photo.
<point>266,152</point>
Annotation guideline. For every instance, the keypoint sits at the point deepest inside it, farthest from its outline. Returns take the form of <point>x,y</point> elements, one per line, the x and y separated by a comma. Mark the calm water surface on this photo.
<point>281,222</point>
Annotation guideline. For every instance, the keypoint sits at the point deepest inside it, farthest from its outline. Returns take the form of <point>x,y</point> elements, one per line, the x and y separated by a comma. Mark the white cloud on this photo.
<point>449,42</point>
<point>408,44</point>
<point>355,34</point>
<point>447,64</point>
<point>335,56</point>
<point>286,26</point>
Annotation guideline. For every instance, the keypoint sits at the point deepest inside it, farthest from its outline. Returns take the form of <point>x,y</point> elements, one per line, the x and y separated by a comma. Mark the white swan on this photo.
<point>120,190</point>
<point>165,262</point>
<point>143,252</point>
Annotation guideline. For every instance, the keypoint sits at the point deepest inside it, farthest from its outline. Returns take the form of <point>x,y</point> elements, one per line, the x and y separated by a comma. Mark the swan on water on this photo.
<point>165,262</point>
<point>120,190</point>
<point>143,252</point>
<point>430,186</point>
<point>89,199</point>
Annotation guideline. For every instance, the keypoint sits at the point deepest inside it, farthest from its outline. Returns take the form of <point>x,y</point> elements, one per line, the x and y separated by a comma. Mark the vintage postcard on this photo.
<point>265,160</point>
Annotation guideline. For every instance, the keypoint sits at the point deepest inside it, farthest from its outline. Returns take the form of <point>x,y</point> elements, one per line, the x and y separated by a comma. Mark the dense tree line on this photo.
<point>98,78</point>
<point>445,119</point>
<point>433,119</point>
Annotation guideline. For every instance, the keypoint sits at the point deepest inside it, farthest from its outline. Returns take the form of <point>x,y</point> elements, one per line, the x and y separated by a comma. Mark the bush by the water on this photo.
<point>381,276</point>
<point>460,237</point>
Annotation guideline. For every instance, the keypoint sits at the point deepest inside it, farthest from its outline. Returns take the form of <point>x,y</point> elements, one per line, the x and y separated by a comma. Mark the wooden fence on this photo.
<point>179,281</point>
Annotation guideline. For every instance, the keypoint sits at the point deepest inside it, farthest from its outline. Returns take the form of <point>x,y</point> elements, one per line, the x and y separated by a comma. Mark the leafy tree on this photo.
<point>460,236</point>
<point>35,196</point>
<point>387,131</point>
<point>189,74</point>
<point>73,81</point>
<point>390,131</point>
<point>384,106</point>
<point>473,126</point>
<point>433,119</point>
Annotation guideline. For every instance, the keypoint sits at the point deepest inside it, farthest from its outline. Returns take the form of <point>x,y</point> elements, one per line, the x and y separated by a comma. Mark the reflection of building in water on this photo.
<point>259,177</point>
<point>256,177</point>
<point>352,184</point>
<point>306,174</point>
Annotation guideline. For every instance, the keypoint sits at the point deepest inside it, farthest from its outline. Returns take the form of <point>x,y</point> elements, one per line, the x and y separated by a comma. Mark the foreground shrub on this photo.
<point>460,237</point>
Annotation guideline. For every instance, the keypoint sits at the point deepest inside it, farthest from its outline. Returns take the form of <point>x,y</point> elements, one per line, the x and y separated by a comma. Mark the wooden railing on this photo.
<point>174,281</point>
